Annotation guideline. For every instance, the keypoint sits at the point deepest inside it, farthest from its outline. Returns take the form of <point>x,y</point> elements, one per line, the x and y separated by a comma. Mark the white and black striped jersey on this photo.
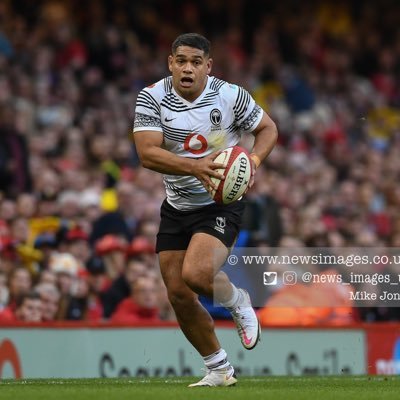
<point>214,121</point>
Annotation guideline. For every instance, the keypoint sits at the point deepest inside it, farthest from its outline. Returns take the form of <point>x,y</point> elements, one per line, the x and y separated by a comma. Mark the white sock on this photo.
<point>234,300</point>
<point>217,360</point>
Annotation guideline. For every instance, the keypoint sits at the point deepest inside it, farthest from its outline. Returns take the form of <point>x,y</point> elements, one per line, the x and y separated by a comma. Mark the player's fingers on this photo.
<point>204,183</point>
<point>210,187</point>
<point>254,167</point>
<point>215,174</point>
<point>217,166</point>
<point>251,182</point>
<point>213,186</point>
<point>214,155</point>
<point>209,184</point>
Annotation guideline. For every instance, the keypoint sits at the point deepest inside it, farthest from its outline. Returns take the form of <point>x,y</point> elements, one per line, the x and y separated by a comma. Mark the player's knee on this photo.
<point>181,298</point>
<point>197,282</point>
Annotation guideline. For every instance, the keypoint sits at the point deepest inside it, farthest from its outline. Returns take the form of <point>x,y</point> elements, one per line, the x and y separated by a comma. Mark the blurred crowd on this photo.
<point>78,215</point>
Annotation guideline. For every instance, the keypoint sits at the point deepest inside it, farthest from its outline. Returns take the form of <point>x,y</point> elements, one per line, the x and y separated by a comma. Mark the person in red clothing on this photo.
<point>28,309</point>
<point>141,305</point>
<point>19,284</point>
<point>50,297</point>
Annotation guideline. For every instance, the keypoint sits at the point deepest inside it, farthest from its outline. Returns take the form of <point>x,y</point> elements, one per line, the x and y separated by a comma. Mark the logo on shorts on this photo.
<point>220,224</point>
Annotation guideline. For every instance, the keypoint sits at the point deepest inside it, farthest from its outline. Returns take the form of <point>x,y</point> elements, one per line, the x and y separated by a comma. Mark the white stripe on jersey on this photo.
<point>214,121</point>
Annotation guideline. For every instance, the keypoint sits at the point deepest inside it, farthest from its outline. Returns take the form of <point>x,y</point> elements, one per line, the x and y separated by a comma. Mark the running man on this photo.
<point>182,123</point>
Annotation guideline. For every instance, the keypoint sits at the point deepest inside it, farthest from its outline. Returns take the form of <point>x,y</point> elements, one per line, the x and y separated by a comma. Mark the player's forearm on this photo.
<point>165,162</point>
<point>265,141</point>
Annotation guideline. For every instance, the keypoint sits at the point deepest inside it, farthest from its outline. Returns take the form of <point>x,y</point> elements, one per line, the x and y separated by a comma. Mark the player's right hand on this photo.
<point>205,168</point>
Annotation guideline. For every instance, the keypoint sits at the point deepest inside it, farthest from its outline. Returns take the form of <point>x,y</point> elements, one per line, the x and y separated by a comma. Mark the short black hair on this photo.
<point>194,40</point>
<point>32,295</point>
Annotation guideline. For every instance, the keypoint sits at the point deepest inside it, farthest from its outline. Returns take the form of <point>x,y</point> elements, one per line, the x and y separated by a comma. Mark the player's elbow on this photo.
<point>146,156</point>
<point>267,131</point>
<point>274,131</point>
<point>146,161</point>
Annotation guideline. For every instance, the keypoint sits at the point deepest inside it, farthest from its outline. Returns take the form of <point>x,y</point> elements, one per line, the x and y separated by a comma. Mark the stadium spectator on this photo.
<point>50,297</point>
<point>141,305</point>
<point>28,308</point>
<point>77,244</point>
<point>82,303</point>
<point>120,287</point>
<point>4,292</point>
<point>142,248</point>
<point>48,276</point>
<point>112,249</point>
<point>97,278</point>
<point>14,171</point>
<point>119,221</point>
<point>19,283</point>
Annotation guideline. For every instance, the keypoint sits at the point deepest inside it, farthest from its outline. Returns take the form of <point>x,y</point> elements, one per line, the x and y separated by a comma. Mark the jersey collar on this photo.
<point>203,93</point>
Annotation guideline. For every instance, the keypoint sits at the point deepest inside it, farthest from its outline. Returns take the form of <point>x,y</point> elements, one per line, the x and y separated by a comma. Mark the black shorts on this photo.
<point>178,227</point>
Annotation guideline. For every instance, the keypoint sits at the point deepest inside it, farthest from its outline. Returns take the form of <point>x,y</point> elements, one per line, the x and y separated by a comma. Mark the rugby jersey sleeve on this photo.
<point>247,112</point>
<point>147,111</point>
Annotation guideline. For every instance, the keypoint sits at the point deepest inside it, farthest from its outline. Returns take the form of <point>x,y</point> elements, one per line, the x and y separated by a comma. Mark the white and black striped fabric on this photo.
<point>215,120</point>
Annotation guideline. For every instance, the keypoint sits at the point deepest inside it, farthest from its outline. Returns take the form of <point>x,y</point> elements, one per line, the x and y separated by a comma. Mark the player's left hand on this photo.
<point>205,168</point>
<point>253,173</point>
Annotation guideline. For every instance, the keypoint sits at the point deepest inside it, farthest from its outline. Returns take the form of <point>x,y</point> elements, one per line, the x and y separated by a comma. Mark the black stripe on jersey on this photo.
<point>168,84</point>
<point>249,121</point>
<point>172,134</point>
<point>171,100</point>
<point>208,97</point>
<point>146,100</point>
<point>216,84</point>
<point>179,191</point>
<point>174,138</point>
<point>232,127</point>
<point>171,108</point>
<point>201,105</point>
<point>178,130</point>
<point>147,106</point>
<point>241,104</point>
<point>173,103</point>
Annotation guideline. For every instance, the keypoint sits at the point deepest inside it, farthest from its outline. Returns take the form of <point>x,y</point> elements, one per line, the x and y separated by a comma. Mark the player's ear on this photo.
<point>209,65</point>
<point>170,59</point>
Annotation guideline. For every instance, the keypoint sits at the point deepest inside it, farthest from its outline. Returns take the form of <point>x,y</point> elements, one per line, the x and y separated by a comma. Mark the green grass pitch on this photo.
<point>285,388</point>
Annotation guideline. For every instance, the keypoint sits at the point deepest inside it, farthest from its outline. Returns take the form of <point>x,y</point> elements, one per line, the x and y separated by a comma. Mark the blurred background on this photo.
<point>78,215</point>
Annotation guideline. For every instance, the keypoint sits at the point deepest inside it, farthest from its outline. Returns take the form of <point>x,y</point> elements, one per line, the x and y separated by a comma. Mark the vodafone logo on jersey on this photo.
<point>9,354</point>
<point>195,143</point>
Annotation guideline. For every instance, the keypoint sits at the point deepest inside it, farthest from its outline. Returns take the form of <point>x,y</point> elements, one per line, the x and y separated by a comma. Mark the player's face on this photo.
<point>189,67</point>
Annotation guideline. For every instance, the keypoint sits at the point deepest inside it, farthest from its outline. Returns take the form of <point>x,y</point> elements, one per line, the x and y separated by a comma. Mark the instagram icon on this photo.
<point>289,278</point>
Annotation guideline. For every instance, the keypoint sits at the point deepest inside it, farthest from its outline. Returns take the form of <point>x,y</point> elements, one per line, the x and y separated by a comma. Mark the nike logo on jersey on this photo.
<point>169,119</point>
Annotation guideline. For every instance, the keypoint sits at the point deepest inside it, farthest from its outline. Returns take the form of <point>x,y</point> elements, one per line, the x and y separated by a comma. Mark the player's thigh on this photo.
<point>171,264</point>
<point>204,257</point>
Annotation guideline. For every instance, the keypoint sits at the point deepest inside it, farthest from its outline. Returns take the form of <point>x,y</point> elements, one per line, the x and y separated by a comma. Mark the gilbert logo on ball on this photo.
<point>237,174</point>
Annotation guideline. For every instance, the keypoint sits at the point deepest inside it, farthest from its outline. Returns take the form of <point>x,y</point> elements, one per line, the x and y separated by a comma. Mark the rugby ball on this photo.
<point>237,172</point>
